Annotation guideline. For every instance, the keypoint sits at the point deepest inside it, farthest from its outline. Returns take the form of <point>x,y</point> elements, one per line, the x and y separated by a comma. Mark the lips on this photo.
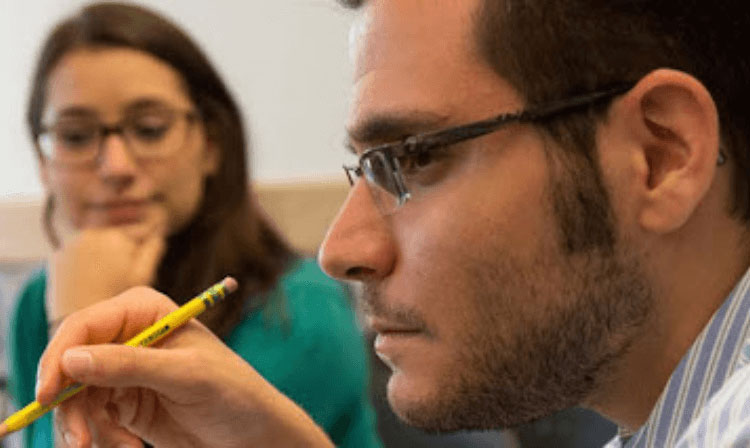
<point>122,211</point>
<point>122,203</point>
<point>386,327</point>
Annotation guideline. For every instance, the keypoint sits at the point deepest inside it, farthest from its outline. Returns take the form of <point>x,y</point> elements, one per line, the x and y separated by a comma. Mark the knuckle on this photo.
<point>138,291</point>
<point>128,361</point>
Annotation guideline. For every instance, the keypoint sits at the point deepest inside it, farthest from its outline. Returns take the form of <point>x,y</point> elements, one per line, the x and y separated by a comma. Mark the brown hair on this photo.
<point>550,49</point>
<point>229,234</point>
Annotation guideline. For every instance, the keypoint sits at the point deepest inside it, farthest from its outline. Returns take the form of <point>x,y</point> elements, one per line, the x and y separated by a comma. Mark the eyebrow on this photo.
<point>145,103</point>
<point>75,111</point>
<point>390,127</point>
<point>79,111</point>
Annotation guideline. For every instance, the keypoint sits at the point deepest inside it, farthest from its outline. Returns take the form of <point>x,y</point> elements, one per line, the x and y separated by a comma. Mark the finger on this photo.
<point>147,257</point>
<point>104,421</point>
<point>85,238</point>
<point>67,231</point>
<point>137,410</point>
<point>155,224</point>
<point>113,320</point>
<point>70,422</point>
<point>168,372</point>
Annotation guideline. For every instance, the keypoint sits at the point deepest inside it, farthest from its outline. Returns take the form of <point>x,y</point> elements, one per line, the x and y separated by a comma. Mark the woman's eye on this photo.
<point>74,136</point>
<point>149,130</point>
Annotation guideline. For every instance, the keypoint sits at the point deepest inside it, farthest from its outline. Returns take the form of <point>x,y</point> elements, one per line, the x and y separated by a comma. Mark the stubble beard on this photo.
<point>517,367</point>
<point>518,363</point>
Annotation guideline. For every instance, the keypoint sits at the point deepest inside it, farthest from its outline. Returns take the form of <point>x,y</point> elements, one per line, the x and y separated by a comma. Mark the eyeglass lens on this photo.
<point>380,172</point>
<point>153,134</point>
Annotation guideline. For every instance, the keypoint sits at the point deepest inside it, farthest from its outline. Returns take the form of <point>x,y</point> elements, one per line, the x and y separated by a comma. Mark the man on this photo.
<point>549,208</point>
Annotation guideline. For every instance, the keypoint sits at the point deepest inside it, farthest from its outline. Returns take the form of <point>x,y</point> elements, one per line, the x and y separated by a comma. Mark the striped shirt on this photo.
<point>706,402</point>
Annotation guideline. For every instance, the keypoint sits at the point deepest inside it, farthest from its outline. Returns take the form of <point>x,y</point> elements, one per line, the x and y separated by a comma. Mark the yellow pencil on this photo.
<point>150,335</point>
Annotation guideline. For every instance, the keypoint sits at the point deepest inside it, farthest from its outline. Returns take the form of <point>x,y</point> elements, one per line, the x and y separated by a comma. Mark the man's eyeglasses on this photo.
<point>152,134</point>
<point>383,165</point>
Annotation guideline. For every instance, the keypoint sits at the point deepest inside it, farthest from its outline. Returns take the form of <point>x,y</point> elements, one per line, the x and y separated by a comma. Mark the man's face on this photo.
<point>483,317</point>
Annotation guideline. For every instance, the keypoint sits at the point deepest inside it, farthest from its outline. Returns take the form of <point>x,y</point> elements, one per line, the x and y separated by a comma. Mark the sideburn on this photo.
<point>580,201</point>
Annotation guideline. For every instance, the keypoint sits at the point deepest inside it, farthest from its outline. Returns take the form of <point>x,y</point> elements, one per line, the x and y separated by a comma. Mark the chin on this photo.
<point>409,400</point>
<point>442,401</point>
<point>418,402</point>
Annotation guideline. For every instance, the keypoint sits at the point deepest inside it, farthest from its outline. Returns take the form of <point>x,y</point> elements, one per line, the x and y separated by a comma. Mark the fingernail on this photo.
<point>36,386</point>
<point>70,438</point>
<point>78,361</point>
<point>38,379</point>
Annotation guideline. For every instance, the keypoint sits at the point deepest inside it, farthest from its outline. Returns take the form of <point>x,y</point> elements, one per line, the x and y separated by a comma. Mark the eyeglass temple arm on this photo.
<point>455,135</point>
<point>557,107</point>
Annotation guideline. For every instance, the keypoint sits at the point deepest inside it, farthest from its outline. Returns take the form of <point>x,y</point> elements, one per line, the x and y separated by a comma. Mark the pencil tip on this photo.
<point>230,284</point>
<point>3,430</point>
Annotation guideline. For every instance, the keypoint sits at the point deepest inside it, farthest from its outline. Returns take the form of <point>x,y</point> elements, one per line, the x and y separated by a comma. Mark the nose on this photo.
<point>116,164</point>
<point>359,245</point>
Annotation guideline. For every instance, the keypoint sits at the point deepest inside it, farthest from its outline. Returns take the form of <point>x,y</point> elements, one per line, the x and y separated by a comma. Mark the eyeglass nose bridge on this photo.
<point>104,132</point>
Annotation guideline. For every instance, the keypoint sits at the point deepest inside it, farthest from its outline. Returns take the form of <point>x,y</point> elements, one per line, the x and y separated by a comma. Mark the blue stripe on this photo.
<point>702,433</point>
<point>661,427</point>
<point>734,339</point>
<point>723,422</point>
<point>709,341</point>
<point>692,389</point>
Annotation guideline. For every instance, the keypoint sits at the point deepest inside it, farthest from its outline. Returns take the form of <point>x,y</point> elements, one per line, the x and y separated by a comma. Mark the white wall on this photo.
<point>286,61</point>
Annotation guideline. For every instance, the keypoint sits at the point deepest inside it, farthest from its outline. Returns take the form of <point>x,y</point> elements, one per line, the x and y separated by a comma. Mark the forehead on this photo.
<point>108,79</point>
<point>392,32</point>
<point>420,57</point>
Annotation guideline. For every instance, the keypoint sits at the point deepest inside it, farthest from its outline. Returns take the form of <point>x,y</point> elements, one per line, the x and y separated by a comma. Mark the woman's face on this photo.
<point>151,163</point>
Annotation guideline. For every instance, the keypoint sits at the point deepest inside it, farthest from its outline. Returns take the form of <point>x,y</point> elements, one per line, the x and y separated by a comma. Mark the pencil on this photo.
<point>149,336</point>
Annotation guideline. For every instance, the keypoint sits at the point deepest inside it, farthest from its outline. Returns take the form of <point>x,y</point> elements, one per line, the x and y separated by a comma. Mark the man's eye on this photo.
<point>416,162</point>
<point>427,167</point>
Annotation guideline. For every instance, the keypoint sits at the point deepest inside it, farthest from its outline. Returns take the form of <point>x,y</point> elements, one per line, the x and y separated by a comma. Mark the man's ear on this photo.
<point>676,125</point>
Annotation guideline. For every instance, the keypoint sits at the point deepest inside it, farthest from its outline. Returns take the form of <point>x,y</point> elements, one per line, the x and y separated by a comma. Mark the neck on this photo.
<point>687,292</point>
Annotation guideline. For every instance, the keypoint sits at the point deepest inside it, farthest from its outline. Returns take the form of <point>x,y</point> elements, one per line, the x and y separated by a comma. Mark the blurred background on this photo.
<point>286,62</point>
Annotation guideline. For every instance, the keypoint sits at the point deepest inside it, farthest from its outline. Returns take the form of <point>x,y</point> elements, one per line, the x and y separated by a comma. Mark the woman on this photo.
<point>142,155</point>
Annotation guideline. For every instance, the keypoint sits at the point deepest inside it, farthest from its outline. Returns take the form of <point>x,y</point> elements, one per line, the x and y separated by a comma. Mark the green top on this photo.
<point>304,341</point>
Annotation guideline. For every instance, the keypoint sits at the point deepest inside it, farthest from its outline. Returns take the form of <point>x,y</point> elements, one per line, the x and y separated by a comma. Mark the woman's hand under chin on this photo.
<point>97,263</point>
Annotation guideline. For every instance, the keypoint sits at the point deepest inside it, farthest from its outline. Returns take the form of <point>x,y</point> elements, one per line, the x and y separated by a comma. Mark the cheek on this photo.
<point>182,189</point>
<point>454,262</point>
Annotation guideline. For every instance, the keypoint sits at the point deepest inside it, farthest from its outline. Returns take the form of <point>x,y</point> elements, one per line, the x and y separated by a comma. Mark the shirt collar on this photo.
<point>715,354</point>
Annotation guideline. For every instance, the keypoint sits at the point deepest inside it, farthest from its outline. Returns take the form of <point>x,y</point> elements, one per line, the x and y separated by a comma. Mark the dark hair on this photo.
<point>552,48</point>
<point>549,49</point>
<point>229,234</point>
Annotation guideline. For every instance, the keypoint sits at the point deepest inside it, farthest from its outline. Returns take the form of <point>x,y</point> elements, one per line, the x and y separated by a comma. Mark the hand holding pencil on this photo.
<point>191,391</point>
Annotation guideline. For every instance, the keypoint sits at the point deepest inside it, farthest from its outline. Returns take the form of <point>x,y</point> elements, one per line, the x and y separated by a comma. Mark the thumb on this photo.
<point>115,365</point>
